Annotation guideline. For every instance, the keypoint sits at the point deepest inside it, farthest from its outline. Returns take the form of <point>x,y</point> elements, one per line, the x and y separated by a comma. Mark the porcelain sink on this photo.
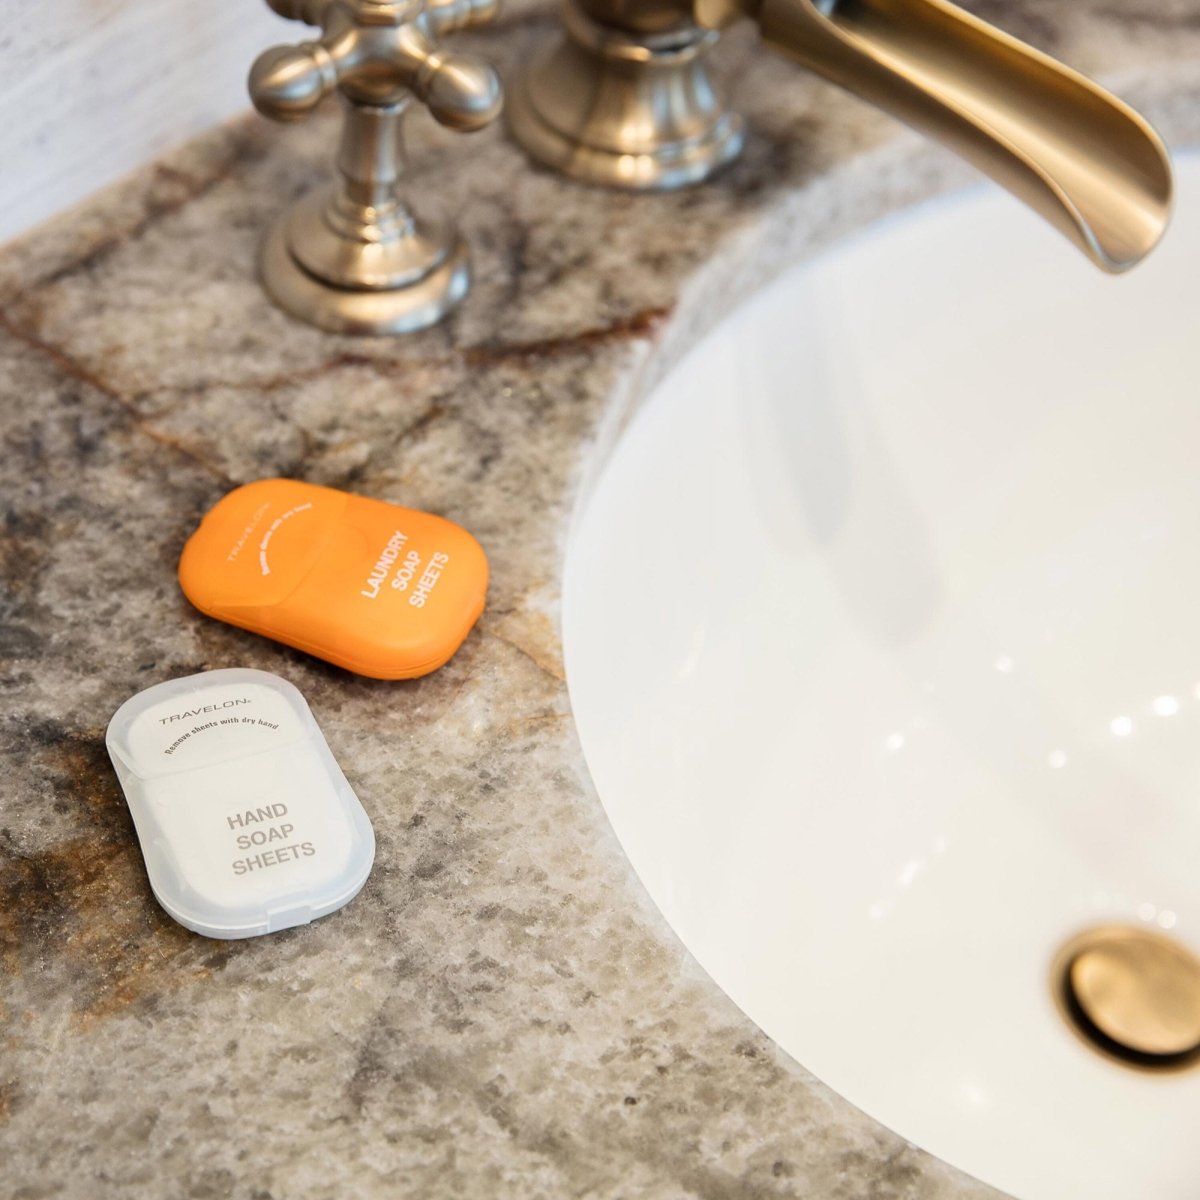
<point>882,632</point>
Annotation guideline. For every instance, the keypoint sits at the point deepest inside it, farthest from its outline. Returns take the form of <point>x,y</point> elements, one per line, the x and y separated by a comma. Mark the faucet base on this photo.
<point>437,277</point>
<point>627,110</point>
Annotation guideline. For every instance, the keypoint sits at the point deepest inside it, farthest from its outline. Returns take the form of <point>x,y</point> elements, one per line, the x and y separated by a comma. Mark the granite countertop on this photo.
<point>501,1012</point>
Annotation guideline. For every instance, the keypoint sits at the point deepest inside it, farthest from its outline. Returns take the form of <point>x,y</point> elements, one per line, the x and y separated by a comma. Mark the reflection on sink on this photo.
<point>883,637</point>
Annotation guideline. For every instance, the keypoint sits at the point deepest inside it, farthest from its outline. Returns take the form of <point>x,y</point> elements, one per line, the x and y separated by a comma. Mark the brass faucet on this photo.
<point>353,258</point>
<point>626,99</point>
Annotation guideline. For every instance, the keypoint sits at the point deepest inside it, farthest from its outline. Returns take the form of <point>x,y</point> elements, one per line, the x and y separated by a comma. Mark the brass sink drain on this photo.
<point>1132,993</point>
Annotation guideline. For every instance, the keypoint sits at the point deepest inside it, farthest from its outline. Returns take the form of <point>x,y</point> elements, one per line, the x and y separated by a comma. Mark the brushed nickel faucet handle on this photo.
<point>353,258</point>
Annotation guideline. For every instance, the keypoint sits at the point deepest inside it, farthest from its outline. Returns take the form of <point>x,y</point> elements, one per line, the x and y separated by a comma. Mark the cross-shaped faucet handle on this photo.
<point>377,52</point>
<point>354,258</point>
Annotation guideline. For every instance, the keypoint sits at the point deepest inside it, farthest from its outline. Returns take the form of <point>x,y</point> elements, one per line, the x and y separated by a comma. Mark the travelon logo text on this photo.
<point>195,712</point>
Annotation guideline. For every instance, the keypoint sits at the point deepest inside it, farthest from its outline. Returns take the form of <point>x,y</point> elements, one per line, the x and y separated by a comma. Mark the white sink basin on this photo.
<point>882,632</point>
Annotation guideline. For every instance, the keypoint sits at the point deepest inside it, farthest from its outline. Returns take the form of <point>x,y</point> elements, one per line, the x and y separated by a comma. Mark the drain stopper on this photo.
<point>1134,993</point>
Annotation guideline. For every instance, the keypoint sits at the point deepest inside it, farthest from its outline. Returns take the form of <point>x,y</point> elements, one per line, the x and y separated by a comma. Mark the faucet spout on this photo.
<point>1077,155</point>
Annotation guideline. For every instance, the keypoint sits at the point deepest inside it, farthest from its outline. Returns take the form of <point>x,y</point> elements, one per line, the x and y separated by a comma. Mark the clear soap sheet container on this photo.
<point>246,822</point>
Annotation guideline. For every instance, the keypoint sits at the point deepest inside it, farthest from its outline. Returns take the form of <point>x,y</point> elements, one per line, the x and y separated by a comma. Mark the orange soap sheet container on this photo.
<point>381,590</point>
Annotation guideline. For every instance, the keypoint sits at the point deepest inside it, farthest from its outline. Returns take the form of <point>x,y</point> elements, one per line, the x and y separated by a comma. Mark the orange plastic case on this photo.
<point>381,590</point>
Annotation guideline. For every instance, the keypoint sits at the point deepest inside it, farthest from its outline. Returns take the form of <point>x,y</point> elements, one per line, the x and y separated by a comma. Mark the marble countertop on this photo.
<point>501,1012</point>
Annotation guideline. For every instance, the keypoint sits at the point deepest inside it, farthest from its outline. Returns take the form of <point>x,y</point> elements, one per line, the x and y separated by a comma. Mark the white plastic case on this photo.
<point>246,822</point>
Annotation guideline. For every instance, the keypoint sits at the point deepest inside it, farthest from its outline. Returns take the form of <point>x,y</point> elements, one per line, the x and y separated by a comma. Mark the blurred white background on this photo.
<point>91,89</point>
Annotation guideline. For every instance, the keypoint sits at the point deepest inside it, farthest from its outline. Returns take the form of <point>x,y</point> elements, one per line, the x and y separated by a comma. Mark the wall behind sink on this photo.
<point>90,89</point>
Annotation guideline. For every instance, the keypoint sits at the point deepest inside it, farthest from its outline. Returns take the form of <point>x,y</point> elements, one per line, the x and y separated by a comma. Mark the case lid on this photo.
<point>246,823</point>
